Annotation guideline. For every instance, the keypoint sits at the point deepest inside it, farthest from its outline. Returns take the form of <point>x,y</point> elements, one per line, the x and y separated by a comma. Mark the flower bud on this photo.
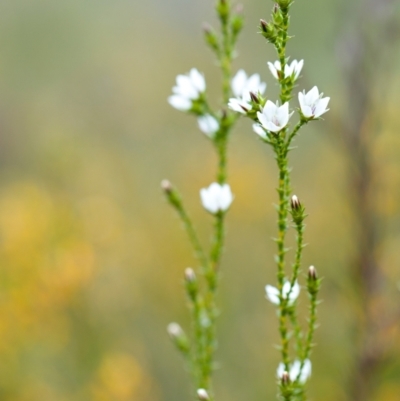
<point>166,186</point>
<point>237,20</point>
<point>210,37</point>
<point>202,394</point>
<point>313,283</point>
<point>190,275</point>
<point>178,337</point>
<point>223,10</point>
<point>295,203</point>
<point>191,283</point>
<point>174,330</point>
<point>312,273</point>
<point>285,378</point>
<point>268,31</point>
<point>254,97</point>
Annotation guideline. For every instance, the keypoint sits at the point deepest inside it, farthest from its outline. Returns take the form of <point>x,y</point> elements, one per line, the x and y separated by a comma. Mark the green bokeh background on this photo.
<point>91,256</point>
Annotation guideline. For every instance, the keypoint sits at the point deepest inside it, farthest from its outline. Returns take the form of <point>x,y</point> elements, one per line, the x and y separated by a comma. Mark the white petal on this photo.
<point>235,105</point>
<point>185,87</point>
<point>270,110</point>
<point>288,70</point>
<point>312,96</point>
<point>306,371</point>
<point>208,124</point>
<point>285,289</point>
<point>321,107</point>
<point>282,115</point>
<point>272,294</point>
<point>280,370</point>
<point>180,103</point>
<point>295,370</point>
<point>198,80</point>
<point>238,83</point>
<point>298,68</point>
<point>208,201</point>
<point>294,293</point>
<point>253,83</point>
<point>270,126</point>
<point>259,131</point>
<point>273,70</point>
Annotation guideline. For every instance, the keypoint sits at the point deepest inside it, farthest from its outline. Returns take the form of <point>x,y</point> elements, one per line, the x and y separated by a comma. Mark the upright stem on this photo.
<point>282,228</point>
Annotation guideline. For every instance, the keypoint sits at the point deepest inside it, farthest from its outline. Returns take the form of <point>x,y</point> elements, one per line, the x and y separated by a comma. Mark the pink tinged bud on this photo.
<point>166,186</point>
<point>312,273</point>
<point>285,378</point>
<point>295,203</point>
<point>254,97</point>
<point>264,25</point>
<point>203,395</point>
<point>190,275</point>
<point>175,331</point>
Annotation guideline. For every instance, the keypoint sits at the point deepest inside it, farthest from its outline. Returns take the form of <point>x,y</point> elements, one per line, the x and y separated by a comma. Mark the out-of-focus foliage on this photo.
<point>91,257</point>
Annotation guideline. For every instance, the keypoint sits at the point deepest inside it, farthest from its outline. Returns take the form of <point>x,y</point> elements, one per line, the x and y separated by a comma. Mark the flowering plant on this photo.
<point>243,95</point>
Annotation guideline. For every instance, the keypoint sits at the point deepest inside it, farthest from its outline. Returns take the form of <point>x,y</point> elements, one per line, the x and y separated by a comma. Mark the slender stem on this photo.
<point>297,330</point>
<point>282,228</point>
<point>294,133</point>
<point>226,59</point>
<point>312,324</point>
<point>192,234</point>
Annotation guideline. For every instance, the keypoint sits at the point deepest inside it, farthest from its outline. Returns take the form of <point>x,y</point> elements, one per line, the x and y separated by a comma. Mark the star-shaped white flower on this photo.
<point>312,104</point>
<point>294,69</point>
<point>216,198</point>
<point>274,117</point>
<point>272,293</point>
<point>242,85</point>
<point>208,124</point>
<point>188,88</point>
<point>294,371</point>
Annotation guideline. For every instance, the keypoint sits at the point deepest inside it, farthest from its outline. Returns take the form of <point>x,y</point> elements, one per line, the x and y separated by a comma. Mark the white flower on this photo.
<point>312,104</point>
<point>239,105</point>
<point>274,118</point>
<point>272,293</point>
<point>208,124</point>
<point>241,88</point>
<point>259,131</point>
<point>216,198</point>
<point>243,85</point>
<point>188,87</point>
<point>294,371</point>
<point>293,69</point>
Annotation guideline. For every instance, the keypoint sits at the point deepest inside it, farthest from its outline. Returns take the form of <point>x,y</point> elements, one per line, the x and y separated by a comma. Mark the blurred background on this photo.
<point>92,257</point>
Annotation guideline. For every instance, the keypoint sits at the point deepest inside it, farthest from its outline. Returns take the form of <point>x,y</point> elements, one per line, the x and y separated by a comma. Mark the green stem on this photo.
<point>281,49</point>
<point>192,234</point>
<point>312,324</point>
<point>226,60</point>
<point>282,228</point>
<point>294,133</point>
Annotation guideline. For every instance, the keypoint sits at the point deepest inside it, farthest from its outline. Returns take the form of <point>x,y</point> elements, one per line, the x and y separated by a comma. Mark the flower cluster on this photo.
<point>188,95</point>
<point>245,90</point>
<point>272,117</point>
<point>289,292</point>
<point>299,371</point>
